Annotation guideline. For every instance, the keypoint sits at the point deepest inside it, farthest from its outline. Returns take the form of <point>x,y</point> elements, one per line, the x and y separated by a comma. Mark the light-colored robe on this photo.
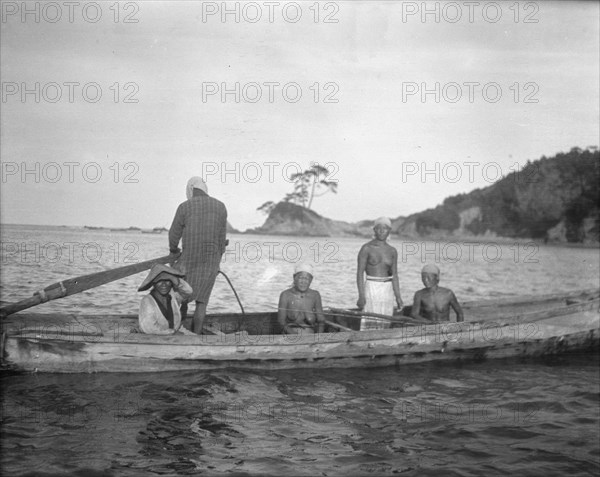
<point>151,319</point>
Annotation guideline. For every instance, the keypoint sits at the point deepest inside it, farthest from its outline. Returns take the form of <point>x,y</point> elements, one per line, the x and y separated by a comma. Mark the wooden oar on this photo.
<point>335,325</point>
<point>393,319</point>
<point>79,284</point>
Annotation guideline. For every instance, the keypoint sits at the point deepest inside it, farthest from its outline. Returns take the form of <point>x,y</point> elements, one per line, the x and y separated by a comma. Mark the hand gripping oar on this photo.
<point>75,285</point>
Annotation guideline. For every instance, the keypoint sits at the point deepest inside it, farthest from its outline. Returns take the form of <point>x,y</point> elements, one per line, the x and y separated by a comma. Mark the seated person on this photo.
<point>300,309</point>
<point>433,302</point>
<point>159,310</point>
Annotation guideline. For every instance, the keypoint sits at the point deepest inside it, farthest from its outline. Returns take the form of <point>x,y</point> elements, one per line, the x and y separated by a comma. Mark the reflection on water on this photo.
<point>521,418</point>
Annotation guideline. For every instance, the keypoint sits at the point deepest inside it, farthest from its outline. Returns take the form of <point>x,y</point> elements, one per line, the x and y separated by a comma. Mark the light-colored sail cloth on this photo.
<point>379,296</point>
<point>151,319</point>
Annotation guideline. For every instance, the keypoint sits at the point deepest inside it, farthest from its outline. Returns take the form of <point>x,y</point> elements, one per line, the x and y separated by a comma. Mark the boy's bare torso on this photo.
<point>434,303</point>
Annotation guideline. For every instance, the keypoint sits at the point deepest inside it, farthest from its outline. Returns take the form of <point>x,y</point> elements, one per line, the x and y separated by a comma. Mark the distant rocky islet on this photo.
<point>552,200</point>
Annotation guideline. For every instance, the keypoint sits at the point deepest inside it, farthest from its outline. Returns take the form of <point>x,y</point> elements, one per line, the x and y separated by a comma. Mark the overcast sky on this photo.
<point>515,81</point>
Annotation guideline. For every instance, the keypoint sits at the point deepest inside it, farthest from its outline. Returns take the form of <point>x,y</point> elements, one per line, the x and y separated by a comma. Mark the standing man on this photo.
<point>379,261</point>
<point>201,224</point>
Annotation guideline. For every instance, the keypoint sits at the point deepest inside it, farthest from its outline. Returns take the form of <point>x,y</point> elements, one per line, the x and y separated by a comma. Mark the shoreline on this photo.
<point>393,237</point>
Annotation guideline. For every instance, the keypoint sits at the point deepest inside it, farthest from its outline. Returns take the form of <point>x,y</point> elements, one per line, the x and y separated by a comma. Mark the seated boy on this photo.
<point>300,309</point>
<point>433,302</point>
<point>159,310</point>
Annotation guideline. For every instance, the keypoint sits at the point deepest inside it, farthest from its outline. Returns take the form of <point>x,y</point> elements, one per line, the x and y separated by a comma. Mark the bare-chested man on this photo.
<point>434,302</point>
<point>300,308</point>
<point>379,261</point>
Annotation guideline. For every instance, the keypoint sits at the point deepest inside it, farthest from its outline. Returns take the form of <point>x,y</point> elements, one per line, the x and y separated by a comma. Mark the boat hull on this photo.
<point>80,344</point>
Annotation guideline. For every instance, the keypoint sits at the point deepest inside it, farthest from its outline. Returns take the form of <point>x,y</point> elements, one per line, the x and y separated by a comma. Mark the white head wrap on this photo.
<point>195,182</point>
<point>383,221</point>
<point>304,267</point>
<point>429,268</point>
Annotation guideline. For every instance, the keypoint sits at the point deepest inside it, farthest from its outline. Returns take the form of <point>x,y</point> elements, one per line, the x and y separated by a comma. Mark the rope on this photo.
<point>234,292</point>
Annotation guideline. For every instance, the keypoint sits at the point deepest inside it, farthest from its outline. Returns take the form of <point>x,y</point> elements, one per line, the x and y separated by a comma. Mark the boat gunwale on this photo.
<point>240,339</point>
<point>401,345</point>
<point>504,301</point>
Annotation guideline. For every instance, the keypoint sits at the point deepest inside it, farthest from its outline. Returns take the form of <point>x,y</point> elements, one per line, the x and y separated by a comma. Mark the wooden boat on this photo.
<point>527,326</point>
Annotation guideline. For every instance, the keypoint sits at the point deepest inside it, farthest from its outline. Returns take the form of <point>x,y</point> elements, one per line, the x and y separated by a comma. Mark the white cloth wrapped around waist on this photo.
<point>379,297</point>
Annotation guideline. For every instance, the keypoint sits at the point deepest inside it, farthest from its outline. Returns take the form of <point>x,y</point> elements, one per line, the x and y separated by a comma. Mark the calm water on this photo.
<point>521,418</point>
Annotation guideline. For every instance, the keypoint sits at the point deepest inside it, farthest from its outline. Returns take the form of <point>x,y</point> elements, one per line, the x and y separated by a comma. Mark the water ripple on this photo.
<point>536,418</point>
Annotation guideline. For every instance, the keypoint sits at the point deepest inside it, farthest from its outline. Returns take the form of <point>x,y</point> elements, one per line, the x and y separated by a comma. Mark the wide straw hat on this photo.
<point>160,272</point>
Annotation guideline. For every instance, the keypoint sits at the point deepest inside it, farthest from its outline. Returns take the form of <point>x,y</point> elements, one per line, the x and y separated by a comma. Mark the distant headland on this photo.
<point>553,199</point>
<point>155,230</point>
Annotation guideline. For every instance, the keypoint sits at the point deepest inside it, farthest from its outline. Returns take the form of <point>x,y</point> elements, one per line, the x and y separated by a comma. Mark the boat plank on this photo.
<point>281,346</point>
<point>110,343</point>
<point>128,363</point>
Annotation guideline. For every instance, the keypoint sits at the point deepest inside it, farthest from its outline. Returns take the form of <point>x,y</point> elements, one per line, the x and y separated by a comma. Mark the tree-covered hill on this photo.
<point>553,198</point>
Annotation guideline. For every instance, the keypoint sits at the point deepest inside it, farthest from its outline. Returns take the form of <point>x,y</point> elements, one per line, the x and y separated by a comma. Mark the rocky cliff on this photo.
<point>290,219</point>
